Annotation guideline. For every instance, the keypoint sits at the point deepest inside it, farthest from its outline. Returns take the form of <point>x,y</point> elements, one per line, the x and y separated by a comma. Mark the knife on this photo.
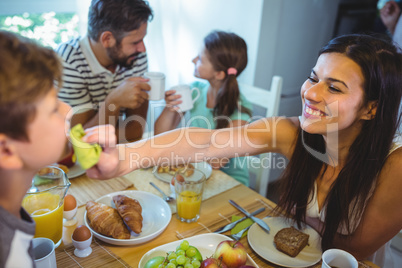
<point>260,222</point>
<point>233,224</point>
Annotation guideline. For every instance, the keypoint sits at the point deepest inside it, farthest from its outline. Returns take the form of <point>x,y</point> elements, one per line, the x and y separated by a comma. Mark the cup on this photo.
<point>44,201</point>
<point>157,83</point>
<point>43,250</point>
<point>189,186</point>
<point>337,258</point>
<point>186,92</point>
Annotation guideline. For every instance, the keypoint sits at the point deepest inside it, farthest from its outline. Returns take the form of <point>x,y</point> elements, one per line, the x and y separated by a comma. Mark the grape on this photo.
<point>172,255</point>
<point>170,265</point>
<point>190,252</point>
<point>181,259</point>
<point>196,263</point>
<point>180,252</point>
<point>188,265</point>
<point>184,245</point>
<point>173,261</point>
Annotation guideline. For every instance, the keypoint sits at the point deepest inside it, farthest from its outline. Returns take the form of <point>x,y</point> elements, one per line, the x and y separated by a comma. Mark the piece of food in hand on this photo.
<point>81,233</point>
<point>130,211</point>
<point>106,221</point>
<point>86,154</point>
<point>290,241</point>
<point>232,253</point>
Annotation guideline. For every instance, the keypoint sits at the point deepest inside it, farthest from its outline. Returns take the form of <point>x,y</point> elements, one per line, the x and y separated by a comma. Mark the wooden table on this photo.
<point>211,207</point>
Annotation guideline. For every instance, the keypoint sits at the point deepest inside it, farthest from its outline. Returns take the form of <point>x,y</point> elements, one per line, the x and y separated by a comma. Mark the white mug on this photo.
<point>44,254</point>
<point>186,92</point>
<point>338,258</point>
<point>157,83</point>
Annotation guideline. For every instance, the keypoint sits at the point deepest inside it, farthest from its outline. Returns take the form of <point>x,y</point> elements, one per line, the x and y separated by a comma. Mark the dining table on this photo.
<point>216,211</point>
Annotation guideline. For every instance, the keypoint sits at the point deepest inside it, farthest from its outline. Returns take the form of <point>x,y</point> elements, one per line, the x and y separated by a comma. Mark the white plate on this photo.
<point>156,216</point>
<point>205,243</point>
<point>204,167</point>
<point>263,244</point>
<point>75,171</point>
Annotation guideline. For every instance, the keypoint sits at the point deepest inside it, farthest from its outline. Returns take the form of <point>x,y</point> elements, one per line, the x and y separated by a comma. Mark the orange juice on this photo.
<point>48,215</point>
<point>188,204</point>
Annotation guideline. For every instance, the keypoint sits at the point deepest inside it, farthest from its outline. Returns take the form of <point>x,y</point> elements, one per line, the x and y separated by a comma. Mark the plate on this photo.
<point>156,215</point>
<point>263,244</point>
<point>205,243</point>
<point>202,166</point>
<point>75,171</point>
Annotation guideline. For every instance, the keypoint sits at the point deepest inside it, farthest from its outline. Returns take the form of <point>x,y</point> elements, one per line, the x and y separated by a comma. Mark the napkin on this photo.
<point>86,154</point>
<point>241,225</point>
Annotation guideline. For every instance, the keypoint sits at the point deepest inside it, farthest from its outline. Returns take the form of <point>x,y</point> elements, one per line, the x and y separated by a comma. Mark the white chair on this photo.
<point>269,100</point>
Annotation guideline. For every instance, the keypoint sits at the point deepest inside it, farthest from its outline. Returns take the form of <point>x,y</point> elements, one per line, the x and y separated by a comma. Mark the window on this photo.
<point>48,28</point>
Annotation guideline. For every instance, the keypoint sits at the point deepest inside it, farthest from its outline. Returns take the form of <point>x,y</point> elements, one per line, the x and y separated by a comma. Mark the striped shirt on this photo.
<point>85,81</point>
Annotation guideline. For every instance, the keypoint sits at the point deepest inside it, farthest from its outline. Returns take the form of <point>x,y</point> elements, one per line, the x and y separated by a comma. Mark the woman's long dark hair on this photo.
<point>381,66</point>
<point>227,50</point>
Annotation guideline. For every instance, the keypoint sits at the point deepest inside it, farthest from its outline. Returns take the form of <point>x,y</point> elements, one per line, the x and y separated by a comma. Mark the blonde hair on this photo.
<point>28,72</point>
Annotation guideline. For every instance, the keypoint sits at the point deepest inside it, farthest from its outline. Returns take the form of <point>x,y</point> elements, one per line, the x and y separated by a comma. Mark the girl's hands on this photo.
<point>172,100</point>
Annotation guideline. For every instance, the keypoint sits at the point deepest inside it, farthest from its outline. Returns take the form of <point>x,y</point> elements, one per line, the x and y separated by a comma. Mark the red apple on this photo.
<point>232,253</point>
<point>246,266</point>
<point>212,263</point>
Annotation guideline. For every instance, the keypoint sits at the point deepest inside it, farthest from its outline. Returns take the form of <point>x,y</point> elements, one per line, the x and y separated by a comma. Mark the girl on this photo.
<point>344,174</point>
<point>220,105</point>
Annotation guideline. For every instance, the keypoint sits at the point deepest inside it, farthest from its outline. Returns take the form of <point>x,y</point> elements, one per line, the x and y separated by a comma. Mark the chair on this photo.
<point>269,100</point>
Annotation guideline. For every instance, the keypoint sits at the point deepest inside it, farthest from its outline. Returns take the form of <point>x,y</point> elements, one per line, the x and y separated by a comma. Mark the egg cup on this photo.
<point>69,217</point>
<point>82,248</point>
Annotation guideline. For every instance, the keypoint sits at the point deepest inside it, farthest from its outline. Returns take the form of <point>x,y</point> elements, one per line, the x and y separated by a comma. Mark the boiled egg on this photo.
<point>69,202</point>
<point>81,233</point>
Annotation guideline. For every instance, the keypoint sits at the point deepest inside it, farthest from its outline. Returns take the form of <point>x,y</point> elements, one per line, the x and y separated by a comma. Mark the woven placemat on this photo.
<point>85,189</point>
<point>217,183</point>
<point>100,257</point>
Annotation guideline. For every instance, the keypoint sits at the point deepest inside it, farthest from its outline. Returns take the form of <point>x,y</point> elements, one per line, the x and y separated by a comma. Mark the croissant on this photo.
<point>130,210</point>
<point>106,221</point>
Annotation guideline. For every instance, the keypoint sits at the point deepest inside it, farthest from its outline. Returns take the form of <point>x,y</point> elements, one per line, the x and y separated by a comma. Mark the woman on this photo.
<point>344,174</point>
<point>220,104</point>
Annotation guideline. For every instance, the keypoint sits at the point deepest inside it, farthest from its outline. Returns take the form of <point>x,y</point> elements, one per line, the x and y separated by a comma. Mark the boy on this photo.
<point>32,135</point>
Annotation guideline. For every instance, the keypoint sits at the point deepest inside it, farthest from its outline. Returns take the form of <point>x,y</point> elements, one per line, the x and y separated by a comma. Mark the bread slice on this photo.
<point>290,241</point>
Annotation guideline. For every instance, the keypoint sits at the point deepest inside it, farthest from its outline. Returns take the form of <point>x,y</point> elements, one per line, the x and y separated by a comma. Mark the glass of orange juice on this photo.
<point>44,202</point>
<point>189,186</point>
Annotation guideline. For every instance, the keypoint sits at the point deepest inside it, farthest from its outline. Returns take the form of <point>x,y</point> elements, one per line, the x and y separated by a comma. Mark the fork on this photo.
<point>238,235</point>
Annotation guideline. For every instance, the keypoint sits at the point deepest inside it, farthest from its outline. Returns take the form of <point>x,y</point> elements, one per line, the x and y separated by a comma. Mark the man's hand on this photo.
<point>107,166</point>
<point>131,93</point>
<point>389,15</point>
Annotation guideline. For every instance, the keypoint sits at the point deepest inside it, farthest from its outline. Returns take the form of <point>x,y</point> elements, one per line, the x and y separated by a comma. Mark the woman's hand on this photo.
<point>105,136</point>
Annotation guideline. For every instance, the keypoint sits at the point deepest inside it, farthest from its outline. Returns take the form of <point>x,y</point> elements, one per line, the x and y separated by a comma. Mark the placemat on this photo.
<point>216,184</point>
<point>100,257</point>
<point>85,189</point>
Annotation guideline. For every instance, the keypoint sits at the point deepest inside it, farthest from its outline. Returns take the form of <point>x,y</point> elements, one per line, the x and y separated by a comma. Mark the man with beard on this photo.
<point>102,77</point>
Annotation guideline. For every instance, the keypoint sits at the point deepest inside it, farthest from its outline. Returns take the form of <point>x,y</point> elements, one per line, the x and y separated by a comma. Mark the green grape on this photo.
<point>172,255</point>
<point>184,245</point>
<point>188,265</point>
<point>188,260</point>
<point>191,251</point>
<point>160,266</point>
<point>170,265</point>
<point>196,264</point>
<point>173,261</point>
<point>181,259</point>
<point>180,252</point>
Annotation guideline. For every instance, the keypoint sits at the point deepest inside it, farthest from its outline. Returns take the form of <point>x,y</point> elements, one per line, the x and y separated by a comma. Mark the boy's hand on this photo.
<point>107,166</point>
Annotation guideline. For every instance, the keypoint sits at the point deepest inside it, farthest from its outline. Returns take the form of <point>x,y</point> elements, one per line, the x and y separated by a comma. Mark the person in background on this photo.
<point>32,135</point>
<point>220,104</point>
<point>344,173</point>
<point>102,77</point>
